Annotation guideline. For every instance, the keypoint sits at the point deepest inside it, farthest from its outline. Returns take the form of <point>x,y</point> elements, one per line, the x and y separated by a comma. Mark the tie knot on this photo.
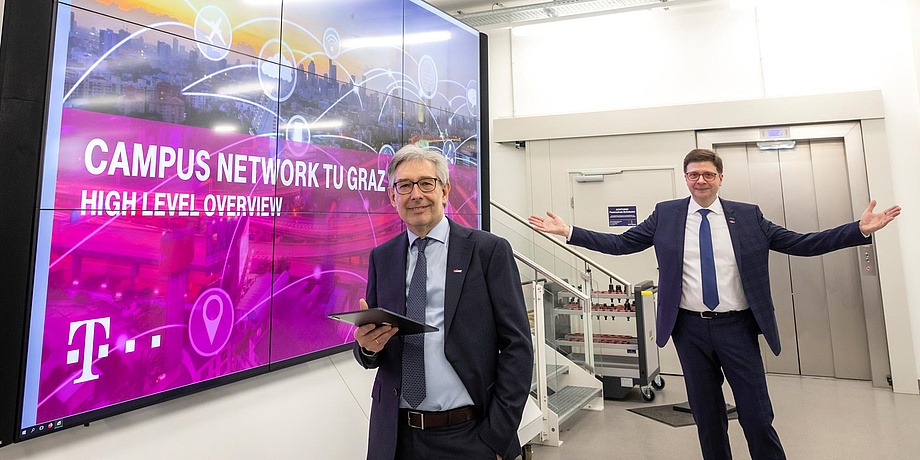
<point>705,212</point>
<point>420,243</point>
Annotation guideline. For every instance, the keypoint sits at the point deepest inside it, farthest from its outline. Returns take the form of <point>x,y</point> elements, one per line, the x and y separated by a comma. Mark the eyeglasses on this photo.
<point>404,187</point>
<point>695,176</point>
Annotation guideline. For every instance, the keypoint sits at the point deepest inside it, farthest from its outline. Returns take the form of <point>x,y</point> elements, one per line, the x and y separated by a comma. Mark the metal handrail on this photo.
<point>585,302</point>
<point>551,277</point>
<point>580,256</point>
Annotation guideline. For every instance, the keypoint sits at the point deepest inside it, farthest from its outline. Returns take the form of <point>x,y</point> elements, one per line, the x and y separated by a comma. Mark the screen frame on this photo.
<point>27,38</point>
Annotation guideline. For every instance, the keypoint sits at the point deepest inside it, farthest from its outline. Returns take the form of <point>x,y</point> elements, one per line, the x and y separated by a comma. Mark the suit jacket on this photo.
<point>487,336</point>
<point>752,237</point>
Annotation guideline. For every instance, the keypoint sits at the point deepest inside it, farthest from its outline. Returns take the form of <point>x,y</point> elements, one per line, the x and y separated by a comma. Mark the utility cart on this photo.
<point>616,339</point>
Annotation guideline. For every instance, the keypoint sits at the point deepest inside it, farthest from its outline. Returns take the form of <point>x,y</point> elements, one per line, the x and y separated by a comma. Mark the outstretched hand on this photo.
<point>554,224</point>
<point>871,221</point>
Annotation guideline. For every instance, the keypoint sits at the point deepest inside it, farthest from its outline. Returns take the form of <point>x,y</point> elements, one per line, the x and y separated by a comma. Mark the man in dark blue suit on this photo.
<point>457,393</point>
<point>714,294</point>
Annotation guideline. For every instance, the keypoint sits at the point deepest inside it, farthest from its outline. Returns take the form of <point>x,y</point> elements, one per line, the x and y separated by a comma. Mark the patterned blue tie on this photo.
<point>413,376</point>
<point>708,263</point>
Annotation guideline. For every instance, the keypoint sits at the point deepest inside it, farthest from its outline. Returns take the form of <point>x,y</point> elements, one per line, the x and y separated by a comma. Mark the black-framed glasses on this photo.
<point>694,176</point>
<point>425,184</point>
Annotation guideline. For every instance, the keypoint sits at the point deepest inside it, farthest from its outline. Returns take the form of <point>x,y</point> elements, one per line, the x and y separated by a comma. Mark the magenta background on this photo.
<point>282,274</point>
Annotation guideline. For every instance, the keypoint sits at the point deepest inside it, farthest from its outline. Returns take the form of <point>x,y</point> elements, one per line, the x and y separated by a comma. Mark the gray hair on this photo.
<point>413,152</point>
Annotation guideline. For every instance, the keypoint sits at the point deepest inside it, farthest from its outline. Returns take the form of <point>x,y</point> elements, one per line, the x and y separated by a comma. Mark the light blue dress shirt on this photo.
<point>444,388</point>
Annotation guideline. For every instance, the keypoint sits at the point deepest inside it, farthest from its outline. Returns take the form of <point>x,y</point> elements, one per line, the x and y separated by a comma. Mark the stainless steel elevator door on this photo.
<point>818,300</point>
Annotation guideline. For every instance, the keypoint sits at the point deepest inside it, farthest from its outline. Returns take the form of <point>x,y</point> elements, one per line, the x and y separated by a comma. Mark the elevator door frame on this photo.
<point>851,134</point>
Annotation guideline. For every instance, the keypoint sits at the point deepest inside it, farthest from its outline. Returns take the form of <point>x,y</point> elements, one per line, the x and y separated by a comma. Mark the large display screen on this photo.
<point>214,180</point>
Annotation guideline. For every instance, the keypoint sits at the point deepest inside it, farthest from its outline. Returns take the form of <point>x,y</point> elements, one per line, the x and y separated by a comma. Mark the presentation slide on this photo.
<point>215,178</point>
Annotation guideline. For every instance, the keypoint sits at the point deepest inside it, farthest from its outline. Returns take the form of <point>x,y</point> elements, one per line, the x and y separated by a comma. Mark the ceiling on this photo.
<point>491,14</point>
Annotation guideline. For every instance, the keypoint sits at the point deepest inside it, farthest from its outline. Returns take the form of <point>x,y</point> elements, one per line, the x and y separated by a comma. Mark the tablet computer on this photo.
<point>381,316</point>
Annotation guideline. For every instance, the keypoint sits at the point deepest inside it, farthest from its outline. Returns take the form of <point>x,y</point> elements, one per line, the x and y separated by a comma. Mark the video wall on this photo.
<point>214,180</point>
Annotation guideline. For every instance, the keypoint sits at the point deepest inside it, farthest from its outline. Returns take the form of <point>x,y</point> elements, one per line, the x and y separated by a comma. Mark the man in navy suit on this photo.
<point>714,294</point>
<point>475,373</point>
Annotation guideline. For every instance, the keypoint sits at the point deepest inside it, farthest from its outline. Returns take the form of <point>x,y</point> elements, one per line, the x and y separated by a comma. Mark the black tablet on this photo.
<point>381,316</point>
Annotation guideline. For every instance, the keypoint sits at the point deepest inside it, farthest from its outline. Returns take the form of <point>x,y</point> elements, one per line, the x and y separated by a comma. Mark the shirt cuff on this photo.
<point>571,230</point>
<point>367,353</point>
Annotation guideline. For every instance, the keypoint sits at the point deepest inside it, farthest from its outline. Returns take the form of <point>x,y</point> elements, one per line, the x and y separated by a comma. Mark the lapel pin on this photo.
<point>731,220</point>
<point>457,270</point>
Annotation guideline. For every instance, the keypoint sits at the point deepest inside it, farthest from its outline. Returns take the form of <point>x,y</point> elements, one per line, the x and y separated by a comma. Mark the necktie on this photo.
<point>413,376</point>
<point>708,263</point>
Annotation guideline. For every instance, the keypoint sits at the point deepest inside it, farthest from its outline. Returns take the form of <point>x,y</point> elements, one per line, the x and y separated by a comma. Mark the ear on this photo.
<point>392,195</point>
<point>445,190</point>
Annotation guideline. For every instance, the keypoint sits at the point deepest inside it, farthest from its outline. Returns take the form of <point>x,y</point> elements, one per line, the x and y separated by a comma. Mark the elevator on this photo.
<point>828,308</point>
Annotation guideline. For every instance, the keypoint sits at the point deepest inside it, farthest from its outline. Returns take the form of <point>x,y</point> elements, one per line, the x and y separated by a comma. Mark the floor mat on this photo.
<point>667,415</point>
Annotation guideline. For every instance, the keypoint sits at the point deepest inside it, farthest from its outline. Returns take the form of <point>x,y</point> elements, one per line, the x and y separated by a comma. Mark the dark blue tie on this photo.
<point>708,263</point>
<point>413,376</point>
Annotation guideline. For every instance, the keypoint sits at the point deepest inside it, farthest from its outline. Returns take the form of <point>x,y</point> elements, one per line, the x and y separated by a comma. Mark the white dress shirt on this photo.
<point>731,294</point>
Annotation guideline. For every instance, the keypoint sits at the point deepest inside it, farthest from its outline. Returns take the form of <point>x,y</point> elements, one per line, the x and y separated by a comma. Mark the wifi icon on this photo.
<point>332,45</point>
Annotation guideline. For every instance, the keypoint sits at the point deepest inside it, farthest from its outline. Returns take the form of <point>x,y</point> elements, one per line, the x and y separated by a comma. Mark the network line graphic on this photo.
<point>278,77</point>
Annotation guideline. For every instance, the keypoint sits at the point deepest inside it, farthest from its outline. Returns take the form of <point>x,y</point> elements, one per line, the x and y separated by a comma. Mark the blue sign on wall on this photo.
<point>622,216</point>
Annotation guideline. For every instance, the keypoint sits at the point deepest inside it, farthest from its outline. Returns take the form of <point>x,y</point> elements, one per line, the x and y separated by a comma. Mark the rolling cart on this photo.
<point>617,338</point>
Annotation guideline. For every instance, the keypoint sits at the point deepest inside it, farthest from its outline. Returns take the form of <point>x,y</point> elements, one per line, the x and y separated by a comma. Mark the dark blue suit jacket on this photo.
<point>487,336</point>
<point>752,239</point>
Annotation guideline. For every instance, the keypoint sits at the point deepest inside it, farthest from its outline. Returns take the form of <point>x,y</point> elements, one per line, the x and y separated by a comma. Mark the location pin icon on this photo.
<point>212,324</point>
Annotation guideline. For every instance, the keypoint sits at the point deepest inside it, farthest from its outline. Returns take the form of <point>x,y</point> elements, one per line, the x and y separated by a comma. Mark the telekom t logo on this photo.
<point>74,355</point>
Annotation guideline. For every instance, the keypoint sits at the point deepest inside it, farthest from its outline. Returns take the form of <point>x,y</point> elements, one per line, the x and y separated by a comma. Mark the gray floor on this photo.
<point>816,418</point>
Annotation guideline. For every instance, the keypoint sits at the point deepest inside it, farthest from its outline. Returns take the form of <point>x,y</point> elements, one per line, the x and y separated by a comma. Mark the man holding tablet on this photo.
<point>458,392</point>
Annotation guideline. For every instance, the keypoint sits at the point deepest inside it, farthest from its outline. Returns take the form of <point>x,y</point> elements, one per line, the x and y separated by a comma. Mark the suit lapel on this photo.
<point>680,229</point>
<point>459,254</point>
<point>730,218</point>
<point>397,276</point>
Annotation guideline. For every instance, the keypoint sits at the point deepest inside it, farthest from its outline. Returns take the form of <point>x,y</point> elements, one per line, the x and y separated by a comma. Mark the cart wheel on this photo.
<point>658,383</point>
<point>648,394</point>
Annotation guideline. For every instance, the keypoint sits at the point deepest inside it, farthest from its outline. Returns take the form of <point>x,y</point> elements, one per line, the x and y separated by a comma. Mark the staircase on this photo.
<point>566,378</point>
<point>560,387</point>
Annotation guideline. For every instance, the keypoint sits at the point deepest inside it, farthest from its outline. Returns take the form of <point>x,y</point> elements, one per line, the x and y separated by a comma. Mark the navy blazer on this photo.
<point>752,237</point>
<point>487,336</point>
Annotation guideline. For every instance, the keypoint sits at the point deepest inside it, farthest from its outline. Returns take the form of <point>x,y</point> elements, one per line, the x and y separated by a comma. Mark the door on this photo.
<point>821,302</point>
<point>639,187</point>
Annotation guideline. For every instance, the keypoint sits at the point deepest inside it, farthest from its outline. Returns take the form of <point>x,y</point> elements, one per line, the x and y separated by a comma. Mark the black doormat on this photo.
<point>667,415</point>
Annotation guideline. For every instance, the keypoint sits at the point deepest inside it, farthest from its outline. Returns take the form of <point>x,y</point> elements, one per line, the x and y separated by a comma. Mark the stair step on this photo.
<point>552,371</point>
<point>570,399</point>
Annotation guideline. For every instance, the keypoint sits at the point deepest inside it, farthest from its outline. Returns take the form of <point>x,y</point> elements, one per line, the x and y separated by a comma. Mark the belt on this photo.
<point>711,314</point>
<point>424,420</point>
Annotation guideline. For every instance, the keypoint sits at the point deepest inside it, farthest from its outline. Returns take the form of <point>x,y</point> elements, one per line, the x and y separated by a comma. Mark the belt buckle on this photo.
<point>421,418</point>
<point>703,315</point>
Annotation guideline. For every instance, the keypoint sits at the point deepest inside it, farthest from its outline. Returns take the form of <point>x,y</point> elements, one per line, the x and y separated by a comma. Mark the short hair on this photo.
<point>701,155</point>
<point>413,152</point>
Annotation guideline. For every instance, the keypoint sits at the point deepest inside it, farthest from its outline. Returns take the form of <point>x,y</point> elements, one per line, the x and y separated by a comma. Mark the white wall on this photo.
<point>712,52</point>
<point>315,410</point>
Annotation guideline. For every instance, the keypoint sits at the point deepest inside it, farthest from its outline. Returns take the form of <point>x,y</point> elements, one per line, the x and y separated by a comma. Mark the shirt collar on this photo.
<point>715,207</point>
<point>438,233</point>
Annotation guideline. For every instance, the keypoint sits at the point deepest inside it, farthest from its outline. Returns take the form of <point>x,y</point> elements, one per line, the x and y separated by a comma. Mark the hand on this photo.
<point>554,224</point>
<point>372,337</point>
<point>871,222</point>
